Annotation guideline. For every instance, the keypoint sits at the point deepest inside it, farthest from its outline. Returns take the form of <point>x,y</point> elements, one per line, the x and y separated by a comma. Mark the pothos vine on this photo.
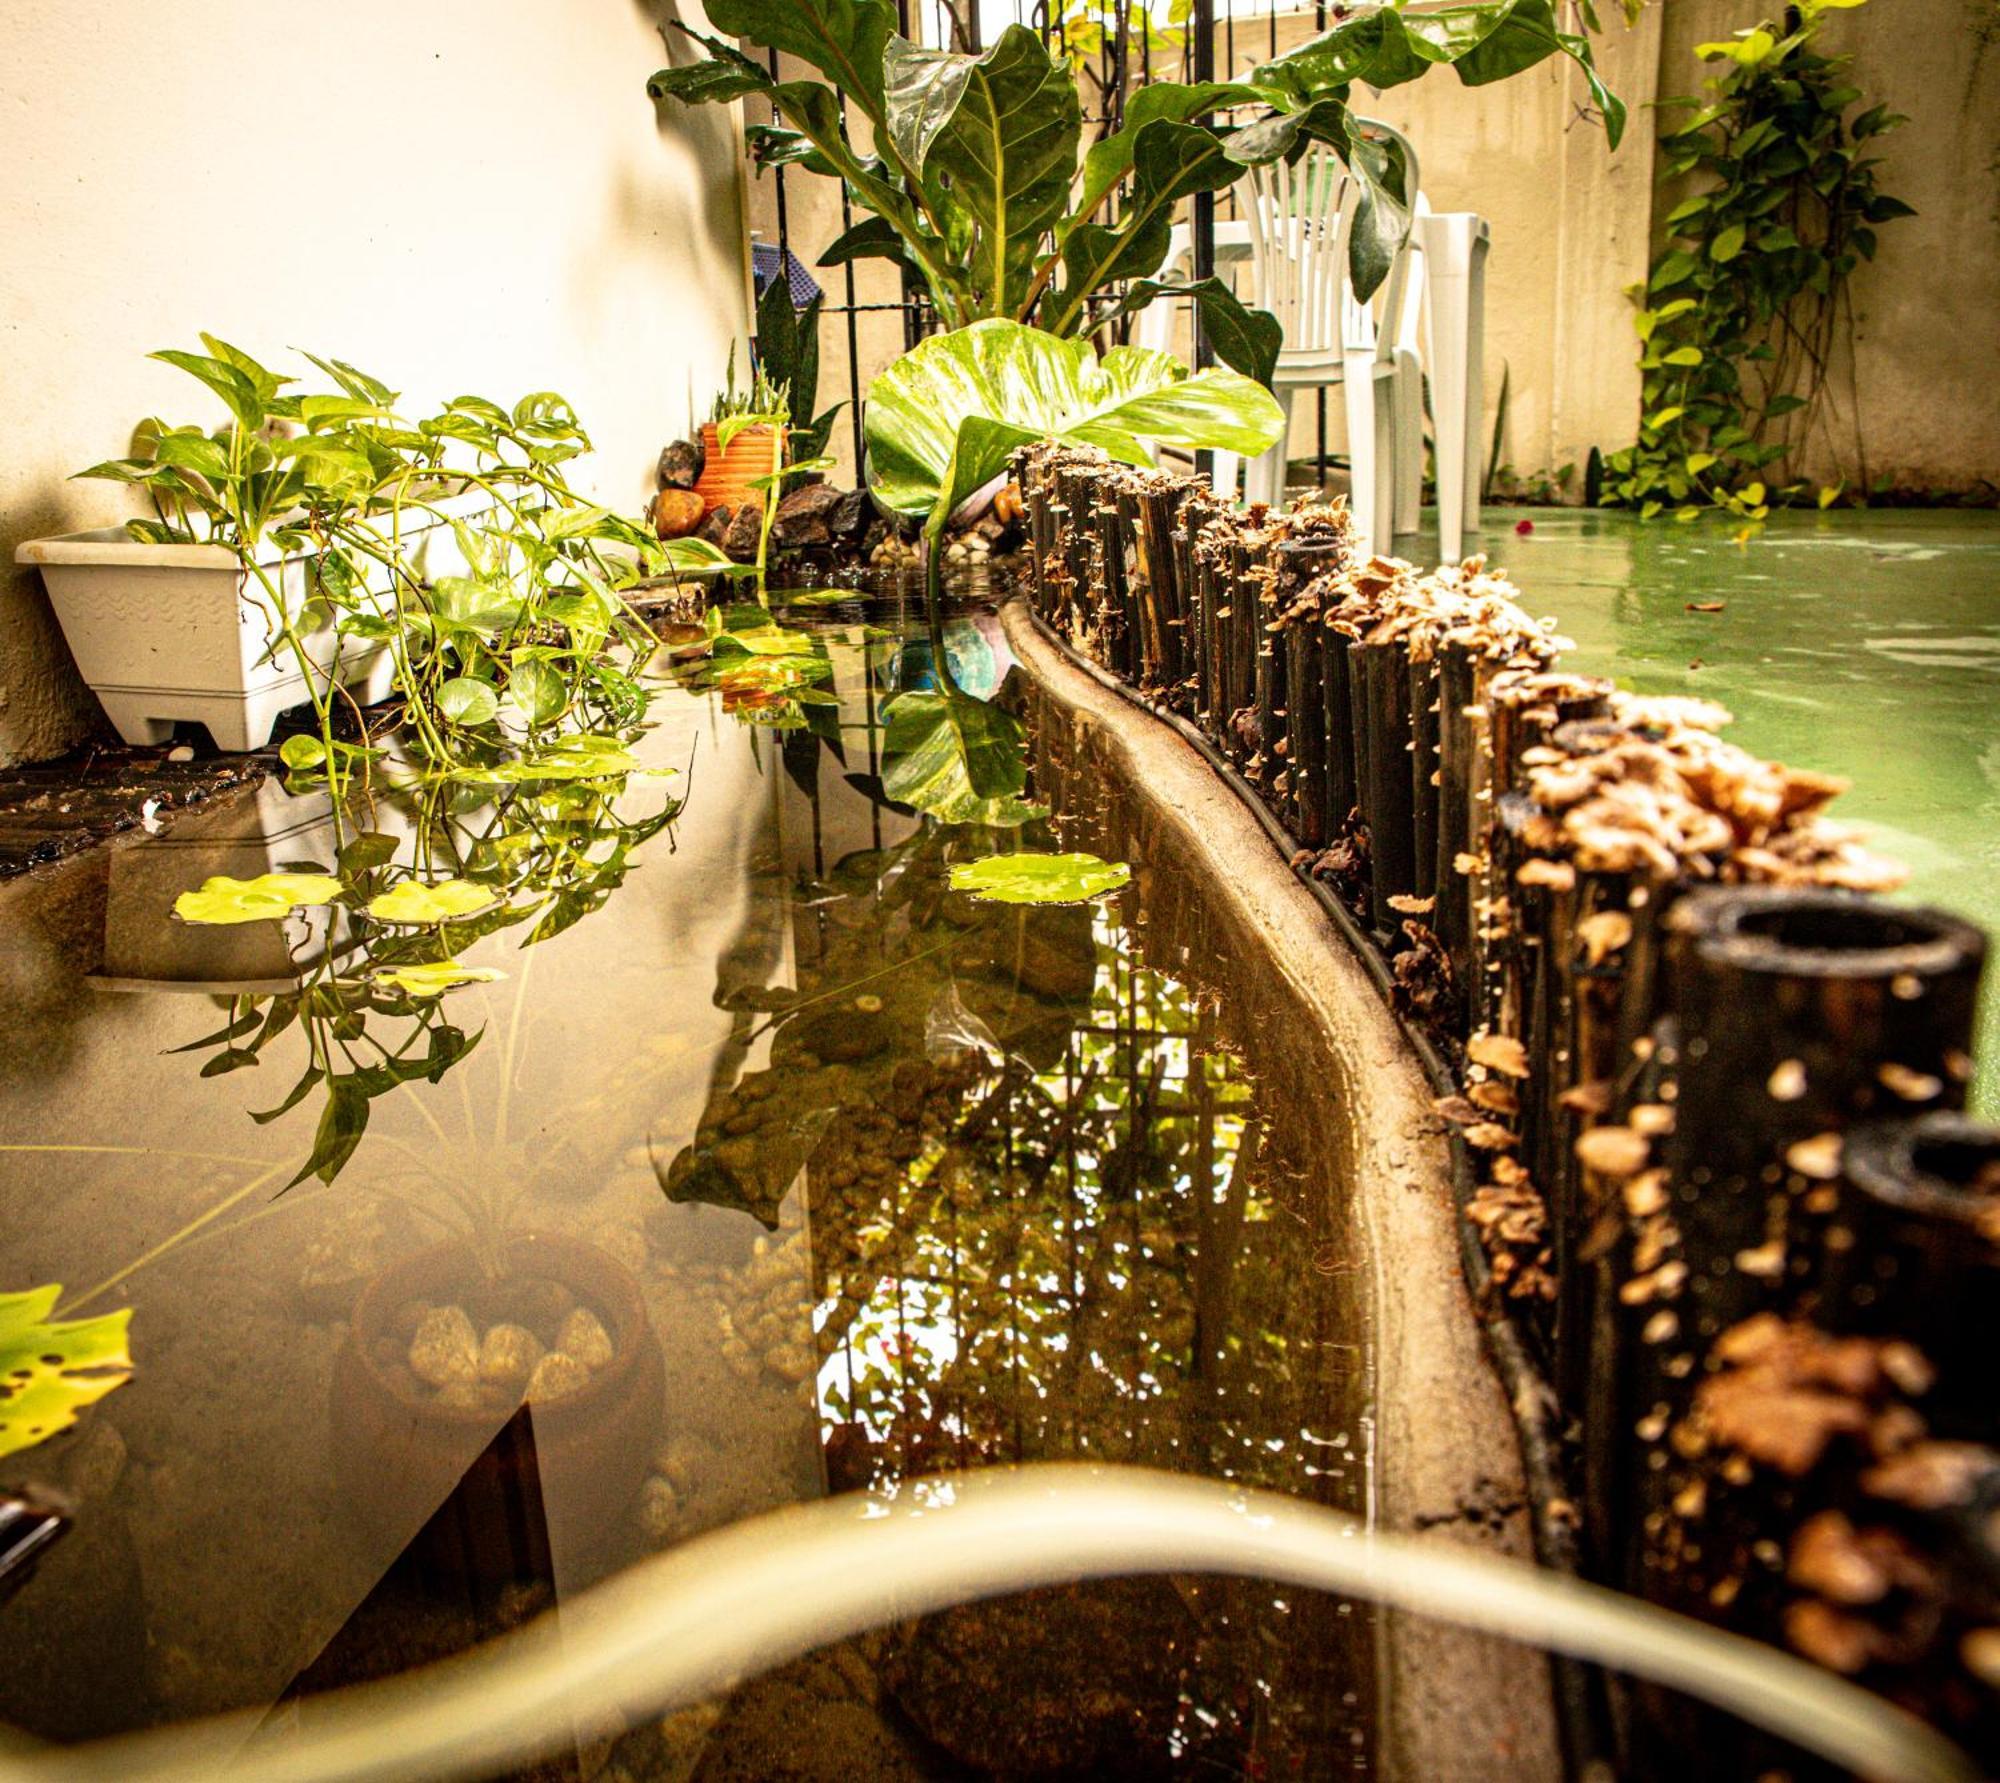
<point>1745,304</point>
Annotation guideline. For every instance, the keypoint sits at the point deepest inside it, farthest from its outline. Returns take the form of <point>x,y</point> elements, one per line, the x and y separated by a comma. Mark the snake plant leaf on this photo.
<point>51,1368</point>
<point>941,420</point>
<point>415,902</point>
<point>1029,878</point>
<point>1000,132</point>
<point>432,978</point>
<point>222,899</point>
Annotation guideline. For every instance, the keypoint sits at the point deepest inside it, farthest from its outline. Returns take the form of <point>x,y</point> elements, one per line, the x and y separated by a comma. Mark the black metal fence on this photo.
<point>1116,47</point>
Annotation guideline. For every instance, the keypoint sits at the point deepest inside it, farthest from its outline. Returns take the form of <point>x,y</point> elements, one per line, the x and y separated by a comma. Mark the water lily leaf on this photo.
<point>1039,878</point>
<point>268,896</point>
<point>433,978</point>
<point>50,1369</point>
<point>943,418</point>
<point>415,902</point>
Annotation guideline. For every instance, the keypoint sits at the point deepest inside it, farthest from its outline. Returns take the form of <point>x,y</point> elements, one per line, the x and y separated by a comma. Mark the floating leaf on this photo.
<point>263,899</point>
<point>1039,878</point>
<point>433,978</point>
<point>50,1369</point>
<point>415,902</point>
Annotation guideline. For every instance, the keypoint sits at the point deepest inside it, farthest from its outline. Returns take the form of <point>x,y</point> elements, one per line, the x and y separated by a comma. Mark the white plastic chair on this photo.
<point>1301,216</point>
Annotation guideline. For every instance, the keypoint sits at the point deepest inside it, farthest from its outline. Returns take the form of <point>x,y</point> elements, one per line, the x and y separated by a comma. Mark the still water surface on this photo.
<point>821,1176</point>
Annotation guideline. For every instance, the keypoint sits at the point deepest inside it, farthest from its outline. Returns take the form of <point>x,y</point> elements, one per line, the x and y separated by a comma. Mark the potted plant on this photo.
<point>321,544</point>
<point>743,441</point>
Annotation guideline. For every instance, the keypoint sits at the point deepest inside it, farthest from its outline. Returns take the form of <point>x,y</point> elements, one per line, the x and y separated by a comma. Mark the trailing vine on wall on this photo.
<point>1749,296</point>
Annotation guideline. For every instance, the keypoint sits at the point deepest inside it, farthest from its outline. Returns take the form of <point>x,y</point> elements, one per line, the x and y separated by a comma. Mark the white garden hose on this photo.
<point>690,1624</point>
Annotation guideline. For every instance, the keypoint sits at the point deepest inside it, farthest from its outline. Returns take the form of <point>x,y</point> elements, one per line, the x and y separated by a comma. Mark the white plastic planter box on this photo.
<point>169,633</point>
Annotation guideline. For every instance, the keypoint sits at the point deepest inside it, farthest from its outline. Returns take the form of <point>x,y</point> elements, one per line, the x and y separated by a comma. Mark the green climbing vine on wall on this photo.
<point>1748,298</point>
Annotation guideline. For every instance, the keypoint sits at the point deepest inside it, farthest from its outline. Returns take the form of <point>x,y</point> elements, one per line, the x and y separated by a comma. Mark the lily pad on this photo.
<point>268,896</point>
<point>433,978</point>
<point>415,902</point>
<point>1028,878</point>
<point>51,1369</point>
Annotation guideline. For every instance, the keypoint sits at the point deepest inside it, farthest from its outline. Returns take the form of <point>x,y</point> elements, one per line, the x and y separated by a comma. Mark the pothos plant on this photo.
<point>980,184</point>
<point>528,636</point>
<point>1741,310</point>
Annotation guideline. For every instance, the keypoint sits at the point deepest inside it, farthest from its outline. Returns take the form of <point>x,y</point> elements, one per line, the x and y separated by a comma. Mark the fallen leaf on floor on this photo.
<point>1705,606</point>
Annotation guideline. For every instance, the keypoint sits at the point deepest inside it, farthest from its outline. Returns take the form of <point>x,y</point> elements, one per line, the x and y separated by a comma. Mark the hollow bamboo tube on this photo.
<point>1425,693</point>
<point>1796,1015</point>
<point>1458,744</point>
<point>1382,753</point>
<point>1306,730</point>
<point>1339,793</point>
<point>1911,1250</point>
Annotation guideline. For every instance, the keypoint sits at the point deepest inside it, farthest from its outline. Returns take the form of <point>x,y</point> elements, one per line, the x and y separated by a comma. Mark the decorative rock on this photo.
<point>802,519</point>
<point>463,1396</point>
<point>508,1353</point>
<point>556,1376</point>
<point>848,520</point>
<point>746,526</point>
<point>677,513</point>
<point>584,1337</point>
<point>791,1362</point>
<point>403,1322</point>
<point>716,527</point>
<point>681,464</point>
<point>659,1508</point>
<point>542,1302</point>
<point>445,1347</point>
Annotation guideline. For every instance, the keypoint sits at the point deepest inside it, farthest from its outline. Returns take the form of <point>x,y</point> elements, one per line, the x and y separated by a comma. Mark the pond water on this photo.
<point>821,1175</point>
<point>1862,644</point>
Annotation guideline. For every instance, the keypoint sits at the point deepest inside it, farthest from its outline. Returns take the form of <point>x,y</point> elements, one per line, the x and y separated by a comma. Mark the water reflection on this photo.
<point>858,1178</point>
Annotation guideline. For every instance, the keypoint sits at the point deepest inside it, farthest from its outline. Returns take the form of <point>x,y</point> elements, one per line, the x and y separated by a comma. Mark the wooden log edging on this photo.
<point>1534,864</point>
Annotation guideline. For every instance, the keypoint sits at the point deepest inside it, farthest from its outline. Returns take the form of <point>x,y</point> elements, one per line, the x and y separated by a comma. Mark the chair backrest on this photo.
<point>1301,217</point>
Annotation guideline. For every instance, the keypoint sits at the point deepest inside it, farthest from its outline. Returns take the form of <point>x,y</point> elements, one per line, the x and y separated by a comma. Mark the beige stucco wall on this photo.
<point>458,195</point>
<point>1572,229</point>
<point>1925,359</point>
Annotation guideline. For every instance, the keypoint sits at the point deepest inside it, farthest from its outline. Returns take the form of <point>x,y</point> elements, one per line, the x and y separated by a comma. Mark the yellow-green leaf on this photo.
<point>435,977</point>
<point>1830,493</point>
<point>1030,878</point>
<point>50,1369</point>
<point>268,896</point>
<point>1728,244</point>
<point>1698,462</point>
<point>415,902</point>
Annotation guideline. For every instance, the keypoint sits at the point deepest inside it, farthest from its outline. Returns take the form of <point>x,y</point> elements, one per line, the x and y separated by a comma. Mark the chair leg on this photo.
<point>1408,434</point>
<point>1455,261</point>
<point>1365,475</point>
<point>1475,377</point>
<point>1226,477</point>
<point>1264,479</point>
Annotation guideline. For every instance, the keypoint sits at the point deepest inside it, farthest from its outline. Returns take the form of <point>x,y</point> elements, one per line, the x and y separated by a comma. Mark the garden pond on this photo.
<point>778,1167</point>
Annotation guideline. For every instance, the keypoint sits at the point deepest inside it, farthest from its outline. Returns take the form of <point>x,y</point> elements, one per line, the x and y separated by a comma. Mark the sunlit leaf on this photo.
<point>51,1368</point>
<point>433,978</point>
<point>1028,878</point>
<point>415,902</point>
<point>222,899</point>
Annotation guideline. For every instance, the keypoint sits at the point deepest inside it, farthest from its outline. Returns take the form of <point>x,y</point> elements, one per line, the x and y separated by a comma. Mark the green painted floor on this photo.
<point>1864,644</point>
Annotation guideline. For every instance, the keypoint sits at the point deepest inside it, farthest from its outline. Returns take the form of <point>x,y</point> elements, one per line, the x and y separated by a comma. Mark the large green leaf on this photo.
<point>51,1368</point>
<point>1383,46</point>
<point>1246,340</point>
<point>427,905</point>
<point>1110,158</point>
<point>999,131</point>
<point>943,418</point>
<point>956,759</point>
<point>1029,878</point>
<point>846,40</point>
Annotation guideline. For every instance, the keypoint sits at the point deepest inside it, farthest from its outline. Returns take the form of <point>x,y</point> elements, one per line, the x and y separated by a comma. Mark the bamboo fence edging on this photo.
<point>1665,1023</point>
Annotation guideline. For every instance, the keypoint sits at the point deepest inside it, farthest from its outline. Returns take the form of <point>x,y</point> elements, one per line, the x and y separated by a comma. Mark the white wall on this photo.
<point>457,195</point>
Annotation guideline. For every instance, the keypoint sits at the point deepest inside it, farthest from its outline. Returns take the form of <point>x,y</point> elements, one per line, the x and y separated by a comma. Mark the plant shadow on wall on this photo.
<point>1745,310</point>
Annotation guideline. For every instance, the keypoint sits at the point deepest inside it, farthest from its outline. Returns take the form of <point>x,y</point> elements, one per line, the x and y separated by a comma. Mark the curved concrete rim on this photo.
<point>1446,1458</point>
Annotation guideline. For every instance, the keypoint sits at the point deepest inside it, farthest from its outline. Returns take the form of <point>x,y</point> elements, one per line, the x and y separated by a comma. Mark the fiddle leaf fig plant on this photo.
<point>980,182</point>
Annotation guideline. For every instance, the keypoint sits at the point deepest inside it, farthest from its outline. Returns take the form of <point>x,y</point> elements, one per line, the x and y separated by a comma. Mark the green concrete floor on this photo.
<point>1863,644</point>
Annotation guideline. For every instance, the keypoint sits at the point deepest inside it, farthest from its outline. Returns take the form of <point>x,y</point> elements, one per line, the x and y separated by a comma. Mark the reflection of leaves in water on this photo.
<point>433,978</point>
<point>956,759</point>
<point>415,902</point>
<point>1029,878</point>
<point>222,899</point>
<point>767,674</point>
<point>51,1369</point>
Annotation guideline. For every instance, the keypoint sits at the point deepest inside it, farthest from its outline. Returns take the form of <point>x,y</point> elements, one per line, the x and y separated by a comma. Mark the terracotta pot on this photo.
<point>473,1491</point>
<point>726,476</point>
